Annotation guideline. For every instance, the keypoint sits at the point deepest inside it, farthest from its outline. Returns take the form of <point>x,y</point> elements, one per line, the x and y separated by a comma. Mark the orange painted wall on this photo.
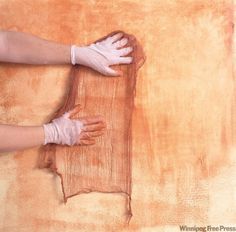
<point>184,119</point>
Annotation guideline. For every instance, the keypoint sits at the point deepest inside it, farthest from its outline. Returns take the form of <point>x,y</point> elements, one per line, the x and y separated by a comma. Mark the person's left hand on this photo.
<point>101,55</point>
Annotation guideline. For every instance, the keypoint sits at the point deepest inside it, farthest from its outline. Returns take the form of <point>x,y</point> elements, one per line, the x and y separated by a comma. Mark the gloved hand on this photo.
<point>67,131</point>
<point>101,55</point>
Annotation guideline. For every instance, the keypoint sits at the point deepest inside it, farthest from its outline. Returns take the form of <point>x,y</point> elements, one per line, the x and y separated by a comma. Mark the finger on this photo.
<point>66,115</point>
<point>120,43</point>
<point>124,51</point>
<point>92,134</point>
<point>86,142</point>
<point>115,37</point>
<point>94,127</point>
<point>92,120</point>
<point>73,113</point>
<point>123,60</point>
<point>111,72</point>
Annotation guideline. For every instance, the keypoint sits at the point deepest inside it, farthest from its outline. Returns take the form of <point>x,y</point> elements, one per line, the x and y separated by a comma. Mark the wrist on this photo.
<point>50,133</point>
<point>79,55</point>
<point>73,55</point>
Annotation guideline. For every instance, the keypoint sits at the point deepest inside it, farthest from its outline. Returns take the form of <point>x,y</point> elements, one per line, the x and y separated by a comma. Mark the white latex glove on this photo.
<point>101,55</point>
<point>62,130</point>
<point>66,131</point>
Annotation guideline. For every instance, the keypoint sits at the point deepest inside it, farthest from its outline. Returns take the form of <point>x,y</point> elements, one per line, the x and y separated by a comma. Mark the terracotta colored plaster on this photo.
<point>183,129</point>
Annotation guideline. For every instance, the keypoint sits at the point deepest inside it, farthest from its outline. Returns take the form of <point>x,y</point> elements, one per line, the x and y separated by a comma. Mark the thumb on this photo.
<point>111,72</point>
<point>73,114</point>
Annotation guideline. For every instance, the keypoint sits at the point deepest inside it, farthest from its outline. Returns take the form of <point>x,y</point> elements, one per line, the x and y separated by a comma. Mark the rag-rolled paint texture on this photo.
<point>107,165</point>
<point>183,136</point>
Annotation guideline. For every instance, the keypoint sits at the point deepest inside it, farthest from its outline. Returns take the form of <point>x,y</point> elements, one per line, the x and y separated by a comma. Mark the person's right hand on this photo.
<point>67,130</point>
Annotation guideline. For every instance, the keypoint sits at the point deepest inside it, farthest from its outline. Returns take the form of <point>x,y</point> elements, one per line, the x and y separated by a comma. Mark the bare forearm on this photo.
<point>14,138</point>
<point>25,48</point>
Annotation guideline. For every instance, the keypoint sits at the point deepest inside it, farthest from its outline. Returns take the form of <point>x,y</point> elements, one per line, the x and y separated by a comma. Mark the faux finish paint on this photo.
<point>183,130</point>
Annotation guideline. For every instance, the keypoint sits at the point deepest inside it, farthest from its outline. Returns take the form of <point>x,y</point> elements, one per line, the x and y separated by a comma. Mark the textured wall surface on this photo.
<point>184,154</point>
